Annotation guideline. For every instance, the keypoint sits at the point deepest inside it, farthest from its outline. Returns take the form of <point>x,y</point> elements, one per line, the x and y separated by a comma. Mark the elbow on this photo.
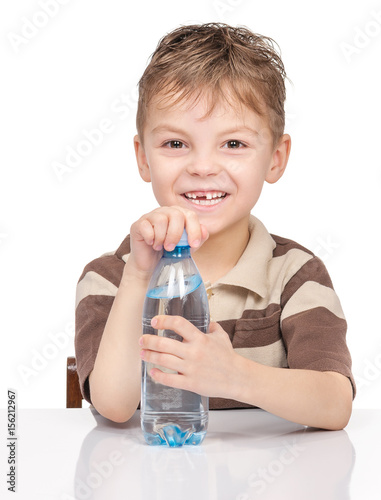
<point>339,416</point>
<point>116,406</point>
<point>339,410</point>
<point>119,412</point>
<point>339,422</point>
<point>343,418</point>
<point>115,413</point>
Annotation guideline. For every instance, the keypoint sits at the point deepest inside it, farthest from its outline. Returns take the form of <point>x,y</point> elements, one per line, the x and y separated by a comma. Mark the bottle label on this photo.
<point>176,288</point>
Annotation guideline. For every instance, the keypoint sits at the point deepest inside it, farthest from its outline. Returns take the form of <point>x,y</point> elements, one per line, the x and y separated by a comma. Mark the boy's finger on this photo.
<point>163,227</point>
<point>189,221</point>
<point>161,344</point>
<point>146,232</point>
<point>163,360</point>
<point>176,223</point>
<point>168,224</point>
<point>159,222</point>
<point>171,380</point>
<point>193,228</point>
<point>178,324</point>
<point>204,233</point>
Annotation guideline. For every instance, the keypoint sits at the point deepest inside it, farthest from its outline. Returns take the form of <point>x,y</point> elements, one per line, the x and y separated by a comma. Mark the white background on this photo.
<point>69,70</point>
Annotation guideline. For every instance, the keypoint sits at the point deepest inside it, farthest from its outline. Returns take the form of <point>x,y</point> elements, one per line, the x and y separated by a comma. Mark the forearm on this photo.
<point>308,397</point>
<point>115,379</point>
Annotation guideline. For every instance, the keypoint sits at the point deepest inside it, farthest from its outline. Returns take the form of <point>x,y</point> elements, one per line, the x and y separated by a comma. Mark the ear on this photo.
<point>279,159</point>
<point>141,159</point>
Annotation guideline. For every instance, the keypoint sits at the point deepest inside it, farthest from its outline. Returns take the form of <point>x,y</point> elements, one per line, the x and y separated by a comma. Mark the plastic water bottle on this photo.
<point>169,416</point>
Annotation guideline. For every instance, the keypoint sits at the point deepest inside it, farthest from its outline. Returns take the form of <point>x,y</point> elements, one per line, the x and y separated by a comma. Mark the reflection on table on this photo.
<point>247,454</point>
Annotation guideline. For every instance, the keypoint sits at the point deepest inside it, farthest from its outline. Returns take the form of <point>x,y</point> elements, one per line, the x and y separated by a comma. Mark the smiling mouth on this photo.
<point>205,197</point>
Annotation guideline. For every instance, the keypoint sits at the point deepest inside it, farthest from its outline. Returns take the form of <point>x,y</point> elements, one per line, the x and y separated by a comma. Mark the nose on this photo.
<point>203,165</point>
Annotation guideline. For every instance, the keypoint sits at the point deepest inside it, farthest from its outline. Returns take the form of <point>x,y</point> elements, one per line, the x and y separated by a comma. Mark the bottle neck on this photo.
<point>178,253</point>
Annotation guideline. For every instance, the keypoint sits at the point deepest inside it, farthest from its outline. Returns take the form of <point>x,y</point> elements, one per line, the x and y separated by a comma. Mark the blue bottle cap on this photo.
<point>183,240</point>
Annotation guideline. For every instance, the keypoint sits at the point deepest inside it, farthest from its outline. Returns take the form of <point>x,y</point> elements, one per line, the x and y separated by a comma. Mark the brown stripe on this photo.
<point>256,327</point>
<point>283,245</point>
<point>124,248</point>
<point>258,331</point>
<point>270,310</point>
<point>313,270</point>
<point>109,267</point>
<point>227,404</point>
<point>90,319</point>
<point>315,340</point>
<point>229,326</point>
<point>312,334</point>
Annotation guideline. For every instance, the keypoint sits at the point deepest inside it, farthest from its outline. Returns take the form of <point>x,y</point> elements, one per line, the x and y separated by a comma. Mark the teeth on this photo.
<point>207,202</point>
<point>208,195</point>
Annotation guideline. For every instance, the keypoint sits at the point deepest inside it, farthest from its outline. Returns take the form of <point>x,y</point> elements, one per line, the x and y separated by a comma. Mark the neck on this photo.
<point>221,252</point>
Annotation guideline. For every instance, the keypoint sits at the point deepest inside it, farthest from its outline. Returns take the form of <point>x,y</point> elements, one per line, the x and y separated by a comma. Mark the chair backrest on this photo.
<point>73,391</point>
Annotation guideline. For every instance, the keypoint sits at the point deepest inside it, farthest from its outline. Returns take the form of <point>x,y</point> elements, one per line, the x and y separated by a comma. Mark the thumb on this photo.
<point>204,233</point>
<point>215,327</point>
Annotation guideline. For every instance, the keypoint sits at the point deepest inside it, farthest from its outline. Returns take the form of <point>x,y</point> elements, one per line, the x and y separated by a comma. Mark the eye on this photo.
<point>175,144</point>
<point>234,144</point>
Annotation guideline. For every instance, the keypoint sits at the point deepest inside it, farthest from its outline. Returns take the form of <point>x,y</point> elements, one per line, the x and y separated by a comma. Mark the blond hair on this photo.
<point>219,61</point>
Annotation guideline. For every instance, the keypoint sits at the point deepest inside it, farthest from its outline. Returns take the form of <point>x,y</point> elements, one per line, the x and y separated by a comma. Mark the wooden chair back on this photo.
<point>73,391</point>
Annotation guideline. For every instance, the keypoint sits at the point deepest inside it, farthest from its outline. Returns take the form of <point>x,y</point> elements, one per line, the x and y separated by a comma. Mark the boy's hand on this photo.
<point>205,363</point>
<point>162,228</point>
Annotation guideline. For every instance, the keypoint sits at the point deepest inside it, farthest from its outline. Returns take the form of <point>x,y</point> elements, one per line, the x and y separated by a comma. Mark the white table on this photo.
<point>247,454</point>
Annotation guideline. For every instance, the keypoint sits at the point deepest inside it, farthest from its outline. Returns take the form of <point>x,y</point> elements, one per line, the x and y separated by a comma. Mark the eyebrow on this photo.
<point>164,127</point>
<point>240,129</point>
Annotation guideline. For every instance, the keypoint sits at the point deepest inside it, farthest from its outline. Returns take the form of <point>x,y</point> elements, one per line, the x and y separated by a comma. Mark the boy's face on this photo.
<point>215,166</point>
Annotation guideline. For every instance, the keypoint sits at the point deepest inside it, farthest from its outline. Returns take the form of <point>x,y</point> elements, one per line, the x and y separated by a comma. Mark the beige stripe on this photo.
<point>270,355</point>
<point>229,302</point>
<point>311,295</point>
<point>283,268</point>
<point>107,254</point>
<point>94,284</point>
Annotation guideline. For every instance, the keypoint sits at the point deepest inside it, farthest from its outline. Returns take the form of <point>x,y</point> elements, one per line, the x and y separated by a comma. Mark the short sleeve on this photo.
<point>95,293</point>
<point>313,323</point>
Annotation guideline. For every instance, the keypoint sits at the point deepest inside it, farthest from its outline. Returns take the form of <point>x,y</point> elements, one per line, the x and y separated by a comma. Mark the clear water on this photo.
<point>169,416</point>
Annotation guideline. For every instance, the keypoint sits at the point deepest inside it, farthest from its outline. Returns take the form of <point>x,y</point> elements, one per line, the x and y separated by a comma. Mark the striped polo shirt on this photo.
<point>277,304</point>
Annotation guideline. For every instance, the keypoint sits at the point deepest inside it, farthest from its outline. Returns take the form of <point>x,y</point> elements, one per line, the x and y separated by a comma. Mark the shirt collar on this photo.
<point>251,269</point>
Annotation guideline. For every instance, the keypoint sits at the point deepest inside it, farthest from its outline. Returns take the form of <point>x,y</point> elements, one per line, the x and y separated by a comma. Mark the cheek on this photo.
<point>158,192</point>
<point>252,193</point>
<point>251,184</point>
<point>162,187</point>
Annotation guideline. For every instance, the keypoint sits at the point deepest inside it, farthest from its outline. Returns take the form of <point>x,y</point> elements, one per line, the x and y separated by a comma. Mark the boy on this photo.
<point>210,124</point>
